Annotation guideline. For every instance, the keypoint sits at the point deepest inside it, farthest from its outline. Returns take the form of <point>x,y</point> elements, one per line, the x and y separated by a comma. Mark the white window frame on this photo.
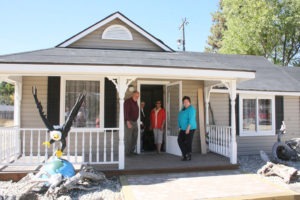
<point>106,36</point>
<point>63,81</point>
<point>257,132</point>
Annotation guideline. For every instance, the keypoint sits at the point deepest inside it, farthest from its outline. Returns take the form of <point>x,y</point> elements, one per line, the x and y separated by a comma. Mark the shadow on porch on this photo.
<point>149,163</point>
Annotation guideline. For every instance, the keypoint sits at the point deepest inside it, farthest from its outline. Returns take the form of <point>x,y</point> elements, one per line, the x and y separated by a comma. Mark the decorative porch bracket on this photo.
<point>207,91</point>
<point>121,84</point>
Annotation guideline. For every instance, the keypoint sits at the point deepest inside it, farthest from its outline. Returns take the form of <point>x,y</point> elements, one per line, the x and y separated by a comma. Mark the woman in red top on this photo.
<point>158,119</point>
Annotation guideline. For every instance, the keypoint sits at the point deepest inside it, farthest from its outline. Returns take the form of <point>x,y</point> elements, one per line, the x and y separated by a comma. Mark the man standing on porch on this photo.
<point>158,119</point>
<point>131,115</point>
<point>187,125</point>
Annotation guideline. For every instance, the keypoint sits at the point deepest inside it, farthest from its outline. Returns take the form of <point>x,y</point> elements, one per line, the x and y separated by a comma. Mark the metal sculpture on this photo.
<point>58,133</point>
<point>287,150</point>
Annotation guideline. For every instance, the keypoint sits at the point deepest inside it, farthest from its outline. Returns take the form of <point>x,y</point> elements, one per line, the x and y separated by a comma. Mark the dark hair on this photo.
<point>186,98</point>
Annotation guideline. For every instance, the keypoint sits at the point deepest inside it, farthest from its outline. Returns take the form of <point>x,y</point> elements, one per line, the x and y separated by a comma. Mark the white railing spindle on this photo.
<point>27,142</point>
<point>219,139</point>
<point>112,146</point>
<point>104,146</point>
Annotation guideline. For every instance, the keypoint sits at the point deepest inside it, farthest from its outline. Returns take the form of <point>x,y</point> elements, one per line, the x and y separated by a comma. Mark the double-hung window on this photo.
<point>257,115</point>
<point>90,112</point>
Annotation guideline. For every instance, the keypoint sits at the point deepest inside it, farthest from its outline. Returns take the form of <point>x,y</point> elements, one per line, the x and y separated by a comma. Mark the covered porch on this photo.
<point>105,146</point>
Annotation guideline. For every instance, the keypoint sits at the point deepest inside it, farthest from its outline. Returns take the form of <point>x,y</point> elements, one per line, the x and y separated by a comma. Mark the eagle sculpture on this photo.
<point>58,133</point>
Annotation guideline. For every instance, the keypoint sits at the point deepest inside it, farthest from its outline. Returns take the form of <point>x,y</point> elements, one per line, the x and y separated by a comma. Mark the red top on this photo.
<point>158,118</point>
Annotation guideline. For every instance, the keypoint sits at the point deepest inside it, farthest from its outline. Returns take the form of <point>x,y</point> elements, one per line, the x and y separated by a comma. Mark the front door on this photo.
<point>173,105</point>
<point>150,94</point>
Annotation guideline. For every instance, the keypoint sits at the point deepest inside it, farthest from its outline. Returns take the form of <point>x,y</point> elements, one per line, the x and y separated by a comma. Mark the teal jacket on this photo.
<point>187,117</point>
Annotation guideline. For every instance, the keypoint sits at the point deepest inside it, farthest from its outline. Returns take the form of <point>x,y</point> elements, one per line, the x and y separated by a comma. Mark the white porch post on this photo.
<point>121,84</point>
<point>232,90</point>
<point>17,102</point>
<point>207,98</point>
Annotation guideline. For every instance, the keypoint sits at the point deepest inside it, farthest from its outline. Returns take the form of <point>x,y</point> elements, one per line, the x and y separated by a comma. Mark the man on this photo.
<point>158,119</point>
<point>131,115</point>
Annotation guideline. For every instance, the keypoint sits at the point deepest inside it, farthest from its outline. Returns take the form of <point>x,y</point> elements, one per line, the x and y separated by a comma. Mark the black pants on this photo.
<point>185,142</point>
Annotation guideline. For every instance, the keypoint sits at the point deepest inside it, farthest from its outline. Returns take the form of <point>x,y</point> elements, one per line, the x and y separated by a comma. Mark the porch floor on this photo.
<point>150,162</point>
<point>145,163</point>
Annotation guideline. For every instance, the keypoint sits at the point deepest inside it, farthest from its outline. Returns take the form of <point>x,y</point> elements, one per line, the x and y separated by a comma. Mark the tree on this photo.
<point>218,27</point>
<point>6,93</point>
<point>269,28</point>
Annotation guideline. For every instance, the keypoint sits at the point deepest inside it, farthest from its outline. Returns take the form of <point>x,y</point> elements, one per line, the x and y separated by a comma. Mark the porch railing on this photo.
<point>219,139</point>
<point>23,146</point>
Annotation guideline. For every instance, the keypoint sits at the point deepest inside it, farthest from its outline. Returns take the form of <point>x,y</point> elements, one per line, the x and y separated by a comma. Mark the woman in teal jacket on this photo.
<point>187,126</point>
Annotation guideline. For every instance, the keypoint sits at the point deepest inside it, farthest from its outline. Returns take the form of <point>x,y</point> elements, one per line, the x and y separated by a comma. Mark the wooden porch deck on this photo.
<point>150,162</point>
<point>145,163</point>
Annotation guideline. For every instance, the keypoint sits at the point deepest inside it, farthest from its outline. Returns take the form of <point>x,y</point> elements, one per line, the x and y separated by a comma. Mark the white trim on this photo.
<point>269,93</point>
<point>109,19</point>
<point>257,132</point>
<point>173,149</point>
<point>140,71</point>
<point>258,92</point>
<point>139,83</point>
<point>80,78</point>
<point>105,35</point>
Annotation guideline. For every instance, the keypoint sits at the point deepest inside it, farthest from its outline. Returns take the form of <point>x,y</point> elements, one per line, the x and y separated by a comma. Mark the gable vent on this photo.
<point>116,32</point>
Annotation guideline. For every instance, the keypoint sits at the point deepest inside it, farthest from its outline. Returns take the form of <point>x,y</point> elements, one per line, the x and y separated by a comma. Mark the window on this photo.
<point>257,115</point>
<point>89,113</point>
<point>116,32</point>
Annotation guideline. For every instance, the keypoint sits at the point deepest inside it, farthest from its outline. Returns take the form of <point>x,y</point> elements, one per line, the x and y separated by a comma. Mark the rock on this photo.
<point>285,172</point>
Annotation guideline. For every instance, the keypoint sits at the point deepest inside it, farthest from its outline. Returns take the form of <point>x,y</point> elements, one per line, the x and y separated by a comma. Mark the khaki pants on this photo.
<point>131,135</point>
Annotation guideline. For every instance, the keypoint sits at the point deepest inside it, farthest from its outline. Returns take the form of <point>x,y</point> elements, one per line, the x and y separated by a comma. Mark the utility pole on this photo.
<point>182,27</point>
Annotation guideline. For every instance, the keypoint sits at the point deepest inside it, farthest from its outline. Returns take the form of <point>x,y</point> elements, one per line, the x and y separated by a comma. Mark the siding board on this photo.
<point>292,116</point>
<point>219,103</point>
<point>94,40</point>
<point>30,117</point>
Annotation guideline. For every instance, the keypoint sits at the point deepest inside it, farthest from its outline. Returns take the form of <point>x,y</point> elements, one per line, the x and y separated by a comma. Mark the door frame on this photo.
<point>179,103</point>
<point>146,82</point>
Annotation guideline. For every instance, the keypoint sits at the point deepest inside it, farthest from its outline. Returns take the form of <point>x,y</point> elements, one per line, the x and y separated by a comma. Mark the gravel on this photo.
<point>251,163</point>
<point>109,189</point>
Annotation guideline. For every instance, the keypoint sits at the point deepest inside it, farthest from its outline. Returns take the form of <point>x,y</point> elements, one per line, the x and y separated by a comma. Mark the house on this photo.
<point>241,100</point>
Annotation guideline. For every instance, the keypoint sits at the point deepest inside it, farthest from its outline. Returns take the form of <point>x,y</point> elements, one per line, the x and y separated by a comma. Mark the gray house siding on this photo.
<point>219,103</point>
<point>29,114</point>
<point>253,144</point>
<point>94,40</point>
<point>248,145</point>
<point>292,116</point>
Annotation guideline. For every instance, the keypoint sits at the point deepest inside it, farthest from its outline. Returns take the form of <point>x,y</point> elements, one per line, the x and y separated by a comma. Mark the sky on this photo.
<point>27,25</point>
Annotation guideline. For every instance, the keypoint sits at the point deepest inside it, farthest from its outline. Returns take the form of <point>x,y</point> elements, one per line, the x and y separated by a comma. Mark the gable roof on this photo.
<point>123,18</point>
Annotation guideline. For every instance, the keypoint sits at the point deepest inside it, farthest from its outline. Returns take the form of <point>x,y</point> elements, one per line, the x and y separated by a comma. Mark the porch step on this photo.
<point>110,173</point>
<point>17,175</point>
<point>13,176</point>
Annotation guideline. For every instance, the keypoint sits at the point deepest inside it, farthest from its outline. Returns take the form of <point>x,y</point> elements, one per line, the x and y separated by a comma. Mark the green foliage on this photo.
<point>218,27</point>
<point>269,28</point>
<point>7,93</point>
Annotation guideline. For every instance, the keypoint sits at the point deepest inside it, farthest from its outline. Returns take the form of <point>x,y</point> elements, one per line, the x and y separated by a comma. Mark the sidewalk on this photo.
<point>203,185</point>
